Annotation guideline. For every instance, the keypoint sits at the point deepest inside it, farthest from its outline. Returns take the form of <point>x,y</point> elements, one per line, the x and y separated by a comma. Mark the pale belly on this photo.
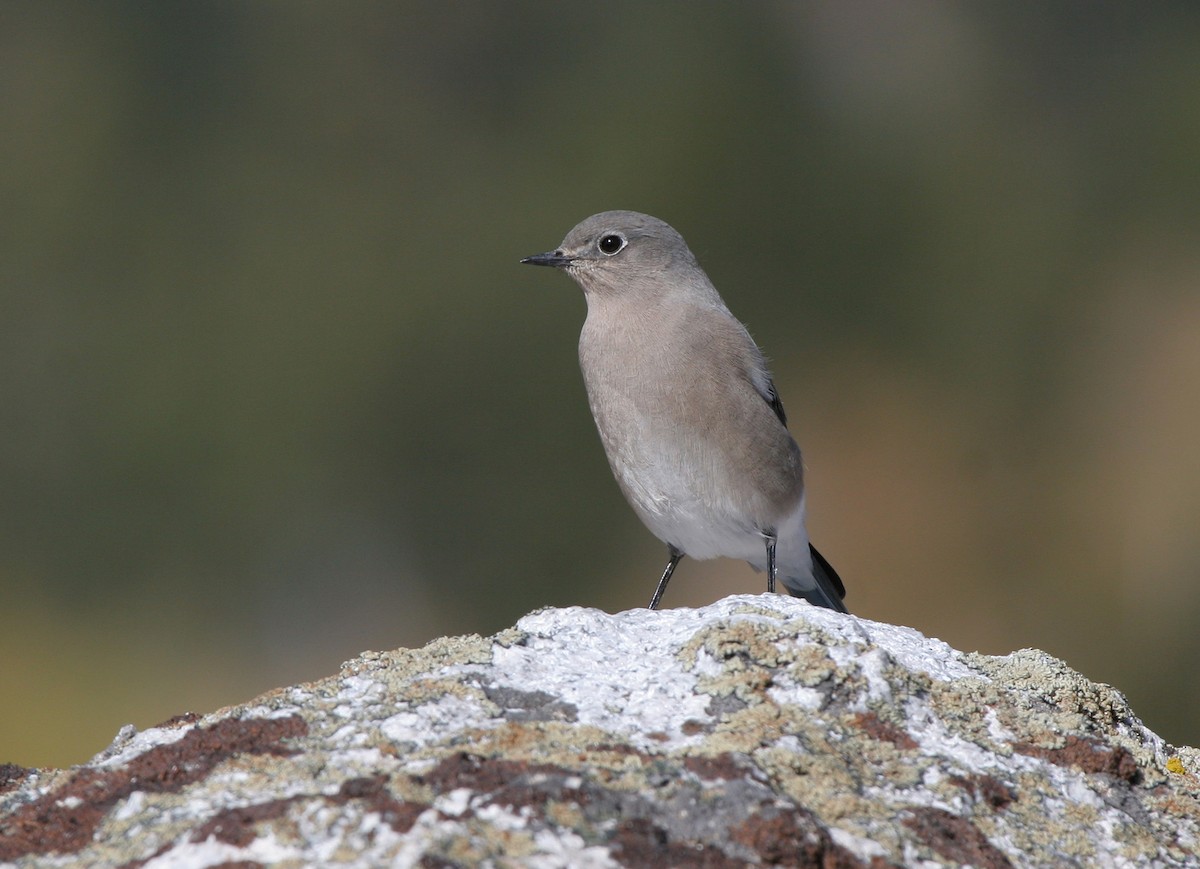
<point>691,498</point>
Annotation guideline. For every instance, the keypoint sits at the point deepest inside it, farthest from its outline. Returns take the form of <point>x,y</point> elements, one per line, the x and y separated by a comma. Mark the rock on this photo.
<point>755,731</point>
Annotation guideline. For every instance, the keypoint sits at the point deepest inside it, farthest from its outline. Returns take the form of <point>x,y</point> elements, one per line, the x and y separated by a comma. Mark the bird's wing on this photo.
<point>760,375</point>
<point>772,398</point>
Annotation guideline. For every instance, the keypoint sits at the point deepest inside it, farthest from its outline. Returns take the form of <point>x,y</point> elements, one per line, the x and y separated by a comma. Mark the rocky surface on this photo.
<point>756,731</point>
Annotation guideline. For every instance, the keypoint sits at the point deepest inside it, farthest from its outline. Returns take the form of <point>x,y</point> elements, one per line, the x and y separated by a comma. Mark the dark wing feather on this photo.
<point>821,566</point>
<point>772,398</point>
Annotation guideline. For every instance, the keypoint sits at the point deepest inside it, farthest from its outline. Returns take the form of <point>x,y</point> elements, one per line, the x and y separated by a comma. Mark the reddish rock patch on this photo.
<point>795,838</point>
<point>640,842</point>
<point>876,728</point>
<point>1089,755</point>
<point>12,775</point>
<point>510,782</point>
<point>236,826</point>
<point>955,838</point>
<point>990,790</point>
<point>723,767</point>
<point>64,820</point>
<point>397,814</point>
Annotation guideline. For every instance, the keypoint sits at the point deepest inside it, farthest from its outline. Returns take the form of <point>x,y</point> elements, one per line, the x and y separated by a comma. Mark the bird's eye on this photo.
<point>610,244</point>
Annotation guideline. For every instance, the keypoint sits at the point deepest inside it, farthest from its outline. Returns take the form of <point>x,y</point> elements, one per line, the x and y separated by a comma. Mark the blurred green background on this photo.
<point>275,390</point>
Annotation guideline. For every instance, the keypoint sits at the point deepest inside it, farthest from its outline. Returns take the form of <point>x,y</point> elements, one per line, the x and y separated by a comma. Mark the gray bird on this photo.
<point>691,423</point>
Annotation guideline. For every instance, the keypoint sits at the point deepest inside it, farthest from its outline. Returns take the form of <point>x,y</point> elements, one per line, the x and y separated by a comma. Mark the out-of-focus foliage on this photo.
<point>274,389</point>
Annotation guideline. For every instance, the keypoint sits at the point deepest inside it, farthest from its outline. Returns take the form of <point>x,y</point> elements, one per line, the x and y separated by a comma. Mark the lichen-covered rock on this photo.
<point>756,731</point>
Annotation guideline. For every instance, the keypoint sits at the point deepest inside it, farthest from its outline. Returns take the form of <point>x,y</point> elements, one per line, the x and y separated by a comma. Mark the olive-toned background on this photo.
<point>274,388</point>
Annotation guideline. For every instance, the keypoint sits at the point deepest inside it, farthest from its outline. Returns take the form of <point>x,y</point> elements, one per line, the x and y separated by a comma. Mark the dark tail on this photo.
<point>829,591</point>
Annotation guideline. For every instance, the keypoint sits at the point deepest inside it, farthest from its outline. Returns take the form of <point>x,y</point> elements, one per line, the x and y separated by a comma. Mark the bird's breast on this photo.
<point>696,451</point>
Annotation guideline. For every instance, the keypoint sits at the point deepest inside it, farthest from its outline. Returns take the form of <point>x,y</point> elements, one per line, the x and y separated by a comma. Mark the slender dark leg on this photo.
<point>770,562</point>
<point>666,577</point>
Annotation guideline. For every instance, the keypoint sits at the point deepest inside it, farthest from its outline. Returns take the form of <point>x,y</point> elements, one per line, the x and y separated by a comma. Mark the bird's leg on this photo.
<point>666,577</point>
<point>770,538</point>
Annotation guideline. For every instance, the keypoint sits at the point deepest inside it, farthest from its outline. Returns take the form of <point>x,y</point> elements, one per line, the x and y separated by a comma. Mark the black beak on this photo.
<point>554,258</point>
